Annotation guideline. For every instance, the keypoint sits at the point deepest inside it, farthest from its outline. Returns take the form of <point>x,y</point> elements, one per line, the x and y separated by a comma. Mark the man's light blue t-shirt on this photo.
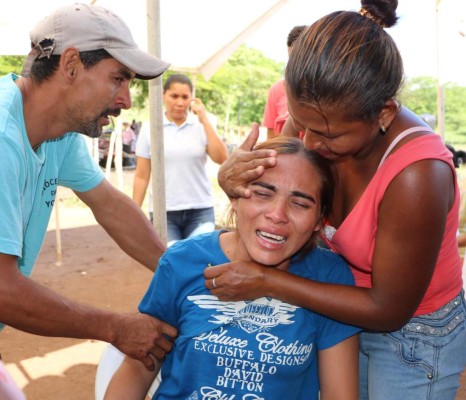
<point>30,179</point>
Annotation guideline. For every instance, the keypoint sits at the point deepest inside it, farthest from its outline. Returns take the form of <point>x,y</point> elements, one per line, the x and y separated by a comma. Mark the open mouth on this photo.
<point>105,118</point>
<point>270,237</point>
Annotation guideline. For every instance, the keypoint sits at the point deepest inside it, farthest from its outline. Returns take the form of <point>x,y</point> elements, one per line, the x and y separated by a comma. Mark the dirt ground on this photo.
<point>95,271</point>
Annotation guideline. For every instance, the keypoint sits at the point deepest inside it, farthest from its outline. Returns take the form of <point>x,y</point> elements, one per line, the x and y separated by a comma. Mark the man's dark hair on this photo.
<point>43,68</point>
<point>294,34</point>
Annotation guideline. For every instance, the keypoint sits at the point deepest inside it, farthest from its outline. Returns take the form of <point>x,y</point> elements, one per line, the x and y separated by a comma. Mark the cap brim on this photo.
<point>144,65</point>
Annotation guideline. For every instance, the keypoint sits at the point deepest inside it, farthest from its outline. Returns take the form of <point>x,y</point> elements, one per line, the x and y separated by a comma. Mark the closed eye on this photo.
<point>320,134</point>
<point>261,194</point>
<point>303,200</point>
<point>301,204</point>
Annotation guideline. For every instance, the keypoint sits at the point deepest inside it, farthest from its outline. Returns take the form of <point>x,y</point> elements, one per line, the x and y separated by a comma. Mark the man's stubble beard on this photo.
<point>90,128</point>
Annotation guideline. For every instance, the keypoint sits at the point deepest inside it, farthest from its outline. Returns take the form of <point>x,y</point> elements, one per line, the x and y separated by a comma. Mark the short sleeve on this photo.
<point>158,299</point>
<point>143,142</point>
<point>79,171</point>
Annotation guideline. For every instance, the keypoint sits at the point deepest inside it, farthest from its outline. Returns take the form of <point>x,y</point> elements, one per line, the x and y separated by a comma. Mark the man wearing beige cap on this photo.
<point>76,76</point>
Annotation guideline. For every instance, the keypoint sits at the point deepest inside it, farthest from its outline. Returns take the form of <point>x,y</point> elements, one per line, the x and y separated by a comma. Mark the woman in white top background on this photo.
<point>189,138</point>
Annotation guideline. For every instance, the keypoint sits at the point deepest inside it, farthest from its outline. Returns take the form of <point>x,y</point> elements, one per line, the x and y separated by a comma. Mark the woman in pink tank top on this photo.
<point>394,217</point>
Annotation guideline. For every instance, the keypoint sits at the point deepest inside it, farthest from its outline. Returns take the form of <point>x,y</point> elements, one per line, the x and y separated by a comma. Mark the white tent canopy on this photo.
<point>196,35</point>
<point>192,31</point>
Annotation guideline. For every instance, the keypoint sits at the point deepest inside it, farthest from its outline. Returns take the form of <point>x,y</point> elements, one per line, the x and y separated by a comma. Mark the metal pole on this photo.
<point>119,154</point>
<point>156,124</point>
<point>58,260</point>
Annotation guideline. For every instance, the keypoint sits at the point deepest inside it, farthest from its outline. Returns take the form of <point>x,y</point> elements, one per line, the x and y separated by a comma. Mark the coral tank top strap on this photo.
<point>400,137</point>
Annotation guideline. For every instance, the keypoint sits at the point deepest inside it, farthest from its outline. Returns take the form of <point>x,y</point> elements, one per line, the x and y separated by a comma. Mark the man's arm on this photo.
<point>31,307</point>
<point>125,222</point>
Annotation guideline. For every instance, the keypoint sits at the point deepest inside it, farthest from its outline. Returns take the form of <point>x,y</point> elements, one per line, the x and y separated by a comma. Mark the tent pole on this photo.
<point>111,147</point>
<point>119,154</point>
<point>58,260</point>
<point>156,124</point>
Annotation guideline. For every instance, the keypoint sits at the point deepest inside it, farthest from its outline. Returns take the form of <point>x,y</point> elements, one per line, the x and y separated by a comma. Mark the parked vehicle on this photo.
<point>459,156</point>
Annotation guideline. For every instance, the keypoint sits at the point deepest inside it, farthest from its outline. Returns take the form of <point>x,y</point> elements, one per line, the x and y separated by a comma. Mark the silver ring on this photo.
<point>213,283</point>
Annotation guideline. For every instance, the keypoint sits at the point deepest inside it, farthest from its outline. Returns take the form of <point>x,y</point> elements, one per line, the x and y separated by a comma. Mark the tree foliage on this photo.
<point>455,114</point>
<point>237,93</point>
<point>11,64</point>
<point>139,93</point>
<point>420,95</point>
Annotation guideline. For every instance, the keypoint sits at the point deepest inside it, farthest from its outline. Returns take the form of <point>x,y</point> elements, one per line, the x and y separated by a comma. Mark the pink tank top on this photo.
<point>355,238</point>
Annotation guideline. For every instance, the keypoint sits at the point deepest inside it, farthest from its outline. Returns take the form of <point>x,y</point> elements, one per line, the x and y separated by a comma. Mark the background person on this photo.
<point>189,138</point>
<point>128,137</point>
<point>136,127</point>
<point>73,80</point>
<point>264,348</point>
<point>395,212</point>
<point>276,109</point>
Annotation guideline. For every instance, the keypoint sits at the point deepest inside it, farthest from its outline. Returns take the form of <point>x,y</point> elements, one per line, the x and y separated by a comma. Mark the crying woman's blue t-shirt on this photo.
<point>261,349</point>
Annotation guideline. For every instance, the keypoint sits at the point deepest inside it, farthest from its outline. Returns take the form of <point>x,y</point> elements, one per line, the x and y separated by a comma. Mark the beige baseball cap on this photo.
<point>89,27</point>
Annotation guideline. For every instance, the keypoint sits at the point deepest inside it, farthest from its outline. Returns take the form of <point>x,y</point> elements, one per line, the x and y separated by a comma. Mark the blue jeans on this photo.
<point>185,223</point>
<point>421,361</point>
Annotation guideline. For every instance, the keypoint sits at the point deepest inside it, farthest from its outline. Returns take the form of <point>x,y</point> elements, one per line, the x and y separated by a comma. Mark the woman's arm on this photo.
<point>216,148</point>
<point>411,224</point>
<point>338,370</point>
<point>141,179</point>
<point>131,381</point>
